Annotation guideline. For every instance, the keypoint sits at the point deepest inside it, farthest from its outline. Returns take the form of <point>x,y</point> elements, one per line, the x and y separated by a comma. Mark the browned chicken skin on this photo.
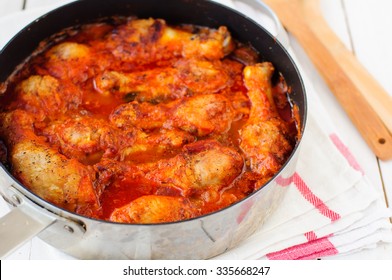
<point>46,96</point>
<point>202,169</point>
<point>64,60</point>
<point>134,44</point>
<point>199,115</point>
<point>185,78</point>
<point>149,209</point>
<point>146,41</point>
<point>87,138</point>
<point>264,137</point>
<point>149,147</point>
<point>201,165</point>
<point>52,176</point>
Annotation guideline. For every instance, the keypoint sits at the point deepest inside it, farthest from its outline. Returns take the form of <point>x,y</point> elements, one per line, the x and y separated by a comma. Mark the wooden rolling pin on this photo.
<point>366,103</point>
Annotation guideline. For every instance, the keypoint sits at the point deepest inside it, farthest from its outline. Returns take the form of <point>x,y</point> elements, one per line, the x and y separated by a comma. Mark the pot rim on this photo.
<point>67,214</point>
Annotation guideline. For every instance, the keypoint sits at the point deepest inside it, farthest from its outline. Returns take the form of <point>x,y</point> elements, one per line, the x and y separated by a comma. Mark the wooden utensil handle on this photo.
<point>346,90</point>
<point>373,92</point>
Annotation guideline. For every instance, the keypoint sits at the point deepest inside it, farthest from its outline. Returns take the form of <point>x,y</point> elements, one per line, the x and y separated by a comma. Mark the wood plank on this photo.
<point>346,130</point>
<point>358,148</point>
<point>10,6</point>
<point>333,12</point>
<point>371,48</point>
<point>336,18</point>
<point>41,3</point>
<point>374,52</point>
<point>346,78</point>
<point>379,100</point>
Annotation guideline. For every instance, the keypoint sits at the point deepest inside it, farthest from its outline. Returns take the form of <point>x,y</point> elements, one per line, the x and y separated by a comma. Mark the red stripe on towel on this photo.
<point>310,236</point>
<point>313,249</point>
<point>345,152</point>
<point>308,195</point>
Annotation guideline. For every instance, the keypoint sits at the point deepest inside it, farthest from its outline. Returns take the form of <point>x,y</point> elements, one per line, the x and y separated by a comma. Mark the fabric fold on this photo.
<point>330,207</point>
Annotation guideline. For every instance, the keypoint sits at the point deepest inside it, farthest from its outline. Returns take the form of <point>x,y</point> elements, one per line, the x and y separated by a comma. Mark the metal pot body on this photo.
<point>199,238</point>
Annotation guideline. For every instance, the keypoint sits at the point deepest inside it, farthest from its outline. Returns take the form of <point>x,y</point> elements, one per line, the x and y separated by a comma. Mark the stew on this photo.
<point>137,121</point>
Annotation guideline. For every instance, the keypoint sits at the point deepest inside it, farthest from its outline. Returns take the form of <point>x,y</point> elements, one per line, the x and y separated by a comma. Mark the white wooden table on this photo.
<point>364,27</point>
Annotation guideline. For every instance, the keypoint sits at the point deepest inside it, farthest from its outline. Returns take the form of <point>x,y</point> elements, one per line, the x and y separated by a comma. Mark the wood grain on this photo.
<point>378,98</point>
<point>364,100</point>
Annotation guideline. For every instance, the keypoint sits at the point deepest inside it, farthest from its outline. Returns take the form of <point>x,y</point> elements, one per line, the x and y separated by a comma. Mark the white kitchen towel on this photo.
<point>330,207</point>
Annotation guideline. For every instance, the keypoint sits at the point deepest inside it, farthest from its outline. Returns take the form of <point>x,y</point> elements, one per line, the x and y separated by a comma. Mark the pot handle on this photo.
<point>259,6</point>
<point>20,225</point>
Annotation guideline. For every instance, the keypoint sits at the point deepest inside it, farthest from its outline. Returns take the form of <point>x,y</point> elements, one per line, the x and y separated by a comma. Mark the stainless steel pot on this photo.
<point>199,238</point>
